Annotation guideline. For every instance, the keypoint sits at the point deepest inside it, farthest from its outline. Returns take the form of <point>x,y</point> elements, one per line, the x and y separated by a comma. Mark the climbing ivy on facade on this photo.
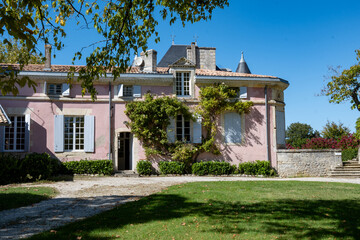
<point>149,121</point>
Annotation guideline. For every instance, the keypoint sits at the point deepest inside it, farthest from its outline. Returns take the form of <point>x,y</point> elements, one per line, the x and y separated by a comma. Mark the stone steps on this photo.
<point>126,173</point>
<point>350,169</point>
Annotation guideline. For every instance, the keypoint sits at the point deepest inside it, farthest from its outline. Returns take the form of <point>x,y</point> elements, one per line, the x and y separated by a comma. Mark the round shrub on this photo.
<point>144,167</point>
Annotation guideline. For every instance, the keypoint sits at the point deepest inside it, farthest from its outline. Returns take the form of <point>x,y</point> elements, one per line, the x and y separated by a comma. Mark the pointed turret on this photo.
<point>242,66</point>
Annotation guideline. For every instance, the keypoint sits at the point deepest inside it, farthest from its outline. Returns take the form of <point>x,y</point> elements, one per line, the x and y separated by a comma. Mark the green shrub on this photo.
<point>9,169</point>
<point>36,166</point>
<point>144,167</point>
<point>256,168</point>
<point>104,167</point>
<point>349,154</point>
<point>184,153</point>
<point>212,168</point>
<point>32,167</point>
<point>172,167</point>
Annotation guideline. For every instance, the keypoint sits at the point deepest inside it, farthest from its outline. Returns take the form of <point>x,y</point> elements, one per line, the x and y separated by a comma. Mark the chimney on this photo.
<point>47,66</point>
<point>193,53</point>
<point>149,60</point>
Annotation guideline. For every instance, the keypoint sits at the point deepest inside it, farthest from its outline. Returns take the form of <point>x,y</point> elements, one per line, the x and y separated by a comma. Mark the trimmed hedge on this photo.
<point>34,166</point>
<point>257,168</point>
<point>104,167</point>
<point>212,168</point>
<point>144,167</point>
<point>172,167</point>
<point>349,154</point>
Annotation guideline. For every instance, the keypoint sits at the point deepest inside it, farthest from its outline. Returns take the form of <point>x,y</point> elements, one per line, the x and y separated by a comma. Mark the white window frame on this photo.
<point>181,79</point>
<point>74,134</point>
<point>57,89</point>
<point>183,136</point>
<point>14,122</point>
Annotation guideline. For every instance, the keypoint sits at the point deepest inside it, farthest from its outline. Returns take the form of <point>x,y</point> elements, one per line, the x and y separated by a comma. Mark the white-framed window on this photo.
<point>128,91</point>
<point>182,129</point>
<point>232,127</point>
<point>182,84</point>
<point>54,89</point>
<point>241,92</point>
<point>57,89</point>
<point>16,136</point>
<point>73,133</point>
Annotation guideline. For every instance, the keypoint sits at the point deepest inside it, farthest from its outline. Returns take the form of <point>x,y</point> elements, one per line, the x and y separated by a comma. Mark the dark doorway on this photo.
<point>124,151</point>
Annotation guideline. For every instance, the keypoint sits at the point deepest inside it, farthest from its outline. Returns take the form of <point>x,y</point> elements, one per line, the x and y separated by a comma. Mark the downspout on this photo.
<point>109,120</point>
<point>267,124</point>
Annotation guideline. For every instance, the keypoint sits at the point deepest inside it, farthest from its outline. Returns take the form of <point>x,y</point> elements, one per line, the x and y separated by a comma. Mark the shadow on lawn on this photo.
<point>15,200</point>
<point>287,219</point>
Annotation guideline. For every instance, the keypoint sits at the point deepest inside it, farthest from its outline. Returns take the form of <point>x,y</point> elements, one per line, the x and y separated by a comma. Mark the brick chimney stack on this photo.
<point>150,60</point>
<point>47,66</point>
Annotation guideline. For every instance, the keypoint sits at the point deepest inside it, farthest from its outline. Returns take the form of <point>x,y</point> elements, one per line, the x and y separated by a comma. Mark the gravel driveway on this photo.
<point>88,196</point>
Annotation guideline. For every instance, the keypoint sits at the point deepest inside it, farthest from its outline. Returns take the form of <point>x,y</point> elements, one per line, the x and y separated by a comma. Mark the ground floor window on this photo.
<point>74,133</point>
<point>232,127</point>
<point>15,134</point>
<point>182,129</point>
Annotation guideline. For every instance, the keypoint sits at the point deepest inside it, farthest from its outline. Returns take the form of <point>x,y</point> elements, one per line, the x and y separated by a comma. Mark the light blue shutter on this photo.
<point>2,129</point>
<point>120,90</point>
<point>59,133</point>
<point>232,127</point>
<point>89,133</point>
<point>44,88</point>
<point>197,135</point>
<point>136,91</point>
<point>243,92</point>
<point>65,89</point>
<point>171,131</point>
<point>280,127</point>
<point>27,133</point>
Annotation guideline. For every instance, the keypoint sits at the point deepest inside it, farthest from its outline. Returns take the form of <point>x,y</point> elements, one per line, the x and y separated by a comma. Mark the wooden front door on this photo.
<point>124,151</point>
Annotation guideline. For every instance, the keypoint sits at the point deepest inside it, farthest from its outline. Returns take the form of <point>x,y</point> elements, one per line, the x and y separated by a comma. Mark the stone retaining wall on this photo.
<point>307,162</point>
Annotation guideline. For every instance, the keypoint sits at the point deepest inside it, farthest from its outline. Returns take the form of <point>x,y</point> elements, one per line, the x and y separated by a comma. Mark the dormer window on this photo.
<point>182,83</point>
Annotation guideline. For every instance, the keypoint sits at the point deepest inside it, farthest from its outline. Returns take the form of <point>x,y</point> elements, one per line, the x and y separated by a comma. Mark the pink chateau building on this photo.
<point>58,120</point>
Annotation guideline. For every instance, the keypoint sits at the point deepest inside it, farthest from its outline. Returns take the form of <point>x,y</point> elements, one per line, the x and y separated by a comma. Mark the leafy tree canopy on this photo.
<point>298,133</point>
<point>334,131</point>
<point>124,25</point>
<point>345,86</point>
<point>15,52</point>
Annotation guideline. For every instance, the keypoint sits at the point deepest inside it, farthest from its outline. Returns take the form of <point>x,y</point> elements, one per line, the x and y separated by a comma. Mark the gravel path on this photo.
<point>86,197</point>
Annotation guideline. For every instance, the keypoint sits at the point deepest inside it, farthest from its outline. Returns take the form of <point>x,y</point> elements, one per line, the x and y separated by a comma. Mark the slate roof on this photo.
<point>4,120</point>
<point>174,53</point>
<point>242,66</point>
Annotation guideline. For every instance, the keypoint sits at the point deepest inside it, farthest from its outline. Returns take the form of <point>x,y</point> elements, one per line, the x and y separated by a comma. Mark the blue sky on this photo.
<point>293,40</point>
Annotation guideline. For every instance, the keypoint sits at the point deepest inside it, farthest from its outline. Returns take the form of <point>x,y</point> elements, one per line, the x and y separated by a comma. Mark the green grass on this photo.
<point>14,197</point>
<point>229,210</point>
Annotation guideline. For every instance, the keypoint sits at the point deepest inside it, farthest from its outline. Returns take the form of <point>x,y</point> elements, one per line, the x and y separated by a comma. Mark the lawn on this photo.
<point>229,210</point>
<point>14,197</point>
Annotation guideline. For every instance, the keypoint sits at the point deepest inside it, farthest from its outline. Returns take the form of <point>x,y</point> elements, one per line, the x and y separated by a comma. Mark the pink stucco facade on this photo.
<point>104,133</point>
